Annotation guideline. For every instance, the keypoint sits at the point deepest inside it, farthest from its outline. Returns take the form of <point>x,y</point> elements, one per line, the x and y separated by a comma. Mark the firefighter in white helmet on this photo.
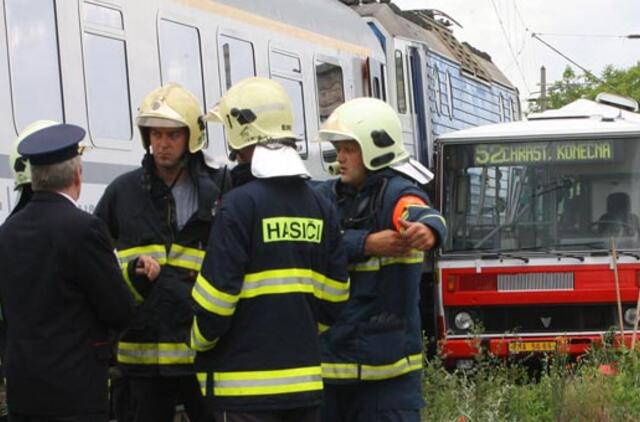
<point>274,272</point>
<point>159,216</point>
<point>20,167</point>
<point>372,357</point>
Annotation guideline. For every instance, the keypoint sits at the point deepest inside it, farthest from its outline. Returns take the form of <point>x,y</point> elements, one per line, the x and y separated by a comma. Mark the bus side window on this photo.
<point>106,75</point>
<point>180,58</point>
<point>34,61</point>
<point>401,94</point>
<point>286,70</point>
<point>330,85</point>
<point>239,61</point>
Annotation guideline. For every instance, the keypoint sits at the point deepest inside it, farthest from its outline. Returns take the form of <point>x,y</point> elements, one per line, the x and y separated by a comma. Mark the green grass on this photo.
<point>558,390</point>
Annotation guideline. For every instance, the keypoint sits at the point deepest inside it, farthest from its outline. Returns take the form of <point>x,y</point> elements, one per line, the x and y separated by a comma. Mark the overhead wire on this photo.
<point>513,54</point>
<point>570,60</point>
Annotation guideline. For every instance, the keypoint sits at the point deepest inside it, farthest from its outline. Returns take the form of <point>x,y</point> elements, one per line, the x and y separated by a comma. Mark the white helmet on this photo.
<point>19,166</point>
<point>172,106</point>
<point>258,111</point>
<point>376,127</point>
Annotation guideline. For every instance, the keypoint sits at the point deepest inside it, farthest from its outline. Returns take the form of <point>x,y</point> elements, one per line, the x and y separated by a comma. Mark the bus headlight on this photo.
<point>630,316</point>
<point>463,321</point>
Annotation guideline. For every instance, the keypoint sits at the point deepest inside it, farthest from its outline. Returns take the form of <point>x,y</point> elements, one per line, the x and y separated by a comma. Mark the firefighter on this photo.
<point>61,290</point>
<point>372,357</point>
<point>274,273</point>
<point>20,166</point>
<point>160,216</point>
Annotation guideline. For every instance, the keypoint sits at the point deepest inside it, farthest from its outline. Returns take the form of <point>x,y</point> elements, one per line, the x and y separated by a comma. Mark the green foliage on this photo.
<point>555,389</point>
<point>573,86</point>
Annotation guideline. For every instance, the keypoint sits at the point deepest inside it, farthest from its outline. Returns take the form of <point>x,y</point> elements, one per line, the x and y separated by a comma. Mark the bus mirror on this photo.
<point>462,193</point>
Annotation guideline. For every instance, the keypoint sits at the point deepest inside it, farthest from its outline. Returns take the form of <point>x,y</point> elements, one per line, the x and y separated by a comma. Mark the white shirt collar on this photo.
<point>69,198</point>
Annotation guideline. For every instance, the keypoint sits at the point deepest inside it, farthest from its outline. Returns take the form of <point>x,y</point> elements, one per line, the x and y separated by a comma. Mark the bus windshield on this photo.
<point>564,195</point>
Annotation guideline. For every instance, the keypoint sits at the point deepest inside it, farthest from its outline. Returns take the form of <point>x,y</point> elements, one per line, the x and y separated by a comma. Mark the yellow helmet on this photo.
<point>254,110</point>
<point>374,125</point>
<point>172,106</point>
<point>19,166</point>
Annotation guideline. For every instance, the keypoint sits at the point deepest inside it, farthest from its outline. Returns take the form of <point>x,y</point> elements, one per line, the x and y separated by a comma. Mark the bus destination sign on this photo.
<point>542,152</point>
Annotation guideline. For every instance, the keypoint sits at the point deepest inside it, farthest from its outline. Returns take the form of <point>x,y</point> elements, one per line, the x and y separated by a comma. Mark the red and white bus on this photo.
<point>532,207</point>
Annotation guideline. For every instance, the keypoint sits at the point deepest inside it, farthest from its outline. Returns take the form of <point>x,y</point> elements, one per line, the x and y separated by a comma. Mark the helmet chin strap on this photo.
<point>233,155</point>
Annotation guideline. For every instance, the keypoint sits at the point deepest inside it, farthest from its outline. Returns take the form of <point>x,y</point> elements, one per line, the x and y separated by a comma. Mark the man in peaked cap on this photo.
<point>61,290</point>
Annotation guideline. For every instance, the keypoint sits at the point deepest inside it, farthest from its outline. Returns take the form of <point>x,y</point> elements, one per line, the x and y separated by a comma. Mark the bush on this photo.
<point>558,389</point>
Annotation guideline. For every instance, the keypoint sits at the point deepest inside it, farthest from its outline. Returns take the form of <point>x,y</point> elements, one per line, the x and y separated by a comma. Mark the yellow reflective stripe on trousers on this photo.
<point>212,299</point>
<point>155,353</point>
<point>294,280</point>
<point>184,257</point>
<point>198,342</point>
<point>255,383</point>
<point>125,273</point>
<point>158,252</point>
<point>354,371</point>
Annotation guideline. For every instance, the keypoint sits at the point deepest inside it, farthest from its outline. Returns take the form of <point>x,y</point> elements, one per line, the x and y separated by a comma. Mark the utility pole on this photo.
<point>543,88</point>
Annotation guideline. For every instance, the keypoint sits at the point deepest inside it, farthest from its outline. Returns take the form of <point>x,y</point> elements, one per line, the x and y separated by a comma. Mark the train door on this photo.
<point>419,109</point>
<point>410,99</point>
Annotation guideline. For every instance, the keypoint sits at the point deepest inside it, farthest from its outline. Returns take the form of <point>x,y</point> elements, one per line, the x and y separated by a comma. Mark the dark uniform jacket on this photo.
<point>140,212</point>
<point>273,276</point>
<point>378,334</point>
<point>61,291</point>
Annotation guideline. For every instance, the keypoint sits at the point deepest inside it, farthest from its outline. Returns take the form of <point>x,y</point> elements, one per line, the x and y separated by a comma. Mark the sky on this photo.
<point>587,31</point>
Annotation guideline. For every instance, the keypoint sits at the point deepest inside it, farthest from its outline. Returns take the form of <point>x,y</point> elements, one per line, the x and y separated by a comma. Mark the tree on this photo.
<point>571,87</point>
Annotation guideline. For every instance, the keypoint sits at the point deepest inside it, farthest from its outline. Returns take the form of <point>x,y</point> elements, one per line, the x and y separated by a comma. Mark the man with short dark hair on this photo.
<point>160,216</point>
<point>61,291</point>
<point>372,358</point>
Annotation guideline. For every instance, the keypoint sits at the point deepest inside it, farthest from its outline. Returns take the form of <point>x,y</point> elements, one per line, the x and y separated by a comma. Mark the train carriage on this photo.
<point>90,62</point>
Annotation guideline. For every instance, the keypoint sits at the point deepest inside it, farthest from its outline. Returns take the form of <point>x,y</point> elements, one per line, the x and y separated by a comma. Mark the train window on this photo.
<point>239,62</point>
<point>107,87</point>
<point>102,16</point>
<point>285,69</point>
<point>284,63</point>
<point>330,84</point>
<point>437,89</point>
<point>106,75</point>
<point>294,89</point>
<point>383,78</point>
<point>34,61</point>
<point>180,59</point>
<point>507,109</point>
<point>376,88</point>
<point>514,111</point>
<point>401,94</point>
<point>450,94</point>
